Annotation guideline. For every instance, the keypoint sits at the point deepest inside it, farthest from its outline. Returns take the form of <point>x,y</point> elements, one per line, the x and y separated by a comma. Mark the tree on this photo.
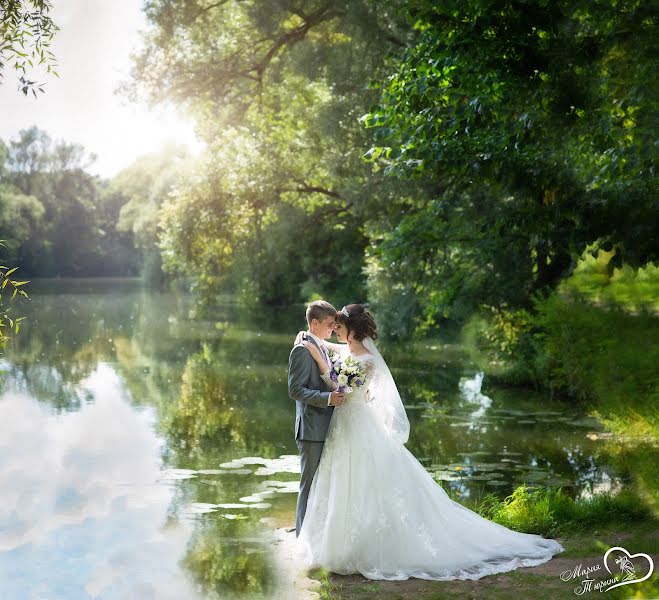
<point>533,123</point>
<point>58,219</point>
<point>22,22</point>
<point>275,89</point>
<point>142,189</point>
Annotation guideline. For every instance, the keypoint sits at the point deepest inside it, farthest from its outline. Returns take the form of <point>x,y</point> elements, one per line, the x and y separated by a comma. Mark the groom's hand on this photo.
<point>337,398</point>
<point>301,336</point>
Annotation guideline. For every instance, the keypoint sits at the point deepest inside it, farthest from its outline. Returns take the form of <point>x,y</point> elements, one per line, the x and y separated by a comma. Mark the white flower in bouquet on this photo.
<point>346,371</point>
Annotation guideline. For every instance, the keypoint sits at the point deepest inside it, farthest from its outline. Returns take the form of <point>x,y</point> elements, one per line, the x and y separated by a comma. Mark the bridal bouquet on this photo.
<point>347,372</point>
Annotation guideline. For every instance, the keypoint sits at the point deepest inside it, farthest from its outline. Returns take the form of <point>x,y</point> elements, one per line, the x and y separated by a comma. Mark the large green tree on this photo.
<point>535,124</point>
<point>275,210</point>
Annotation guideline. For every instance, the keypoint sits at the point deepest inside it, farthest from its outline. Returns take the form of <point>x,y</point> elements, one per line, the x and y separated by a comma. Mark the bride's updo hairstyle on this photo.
<point>358,321</point>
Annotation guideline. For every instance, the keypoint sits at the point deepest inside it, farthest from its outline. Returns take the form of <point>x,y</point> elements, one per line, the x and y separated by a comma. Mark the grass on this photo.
<point>550,512</point>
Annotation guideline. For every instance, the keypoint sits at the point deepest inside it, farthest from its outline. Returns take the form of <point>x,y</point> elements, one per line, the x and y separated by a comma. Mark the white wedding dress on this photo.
<point>374,509</point>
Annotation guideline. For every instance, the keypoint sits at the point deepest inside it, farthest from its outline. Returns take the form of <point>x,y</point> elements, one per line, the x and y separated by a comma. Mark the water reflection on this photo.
<point>82,514</point>
<point>145,455</point>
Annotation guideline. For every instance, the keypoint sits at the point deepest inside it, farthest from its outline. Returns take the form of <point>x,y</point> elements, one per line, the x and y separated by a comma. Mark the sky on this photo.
<point>93,54</point>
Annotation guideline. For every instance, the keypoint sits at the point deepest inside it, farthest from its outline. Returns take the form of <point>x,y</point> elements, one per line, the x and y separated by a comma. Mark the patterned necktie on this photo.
<point>323,349</point>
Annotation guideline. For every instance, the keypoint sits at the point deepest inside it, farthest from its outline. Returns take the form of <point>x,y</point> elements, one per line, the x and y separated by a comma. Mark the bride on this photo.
<point>374,509</point>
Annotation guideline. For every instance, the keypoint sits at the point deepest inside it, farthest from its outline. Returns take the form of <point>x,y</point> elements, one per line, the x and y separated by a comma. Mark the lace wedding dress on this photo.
<point>374,509</point>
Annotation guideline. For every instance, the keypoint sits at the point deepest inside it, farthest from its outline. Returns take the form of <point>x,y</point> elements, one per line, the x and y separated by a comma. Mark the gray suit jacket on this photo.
<point>311,395</point>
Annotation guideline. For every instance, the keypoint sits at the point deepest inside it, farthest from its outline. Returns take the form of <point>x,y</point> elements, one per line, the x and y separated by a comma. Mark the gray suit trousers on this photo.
<point>309,458</point>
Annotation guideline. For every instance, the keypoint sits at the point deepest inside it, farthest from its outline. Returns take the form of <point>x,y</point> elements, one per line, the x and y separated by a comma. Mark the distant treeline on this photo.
<point>58,220</point>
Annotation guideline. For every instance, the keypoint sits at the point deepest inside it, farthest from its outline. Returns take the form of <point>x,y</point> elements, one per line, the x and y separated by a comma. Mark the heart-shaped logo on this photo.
<point>626,566</point>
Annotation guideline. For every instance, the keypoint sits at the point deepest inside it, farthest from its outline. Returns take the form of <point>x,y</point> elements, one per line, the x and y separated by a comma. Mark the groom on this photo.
<point>314,402</point>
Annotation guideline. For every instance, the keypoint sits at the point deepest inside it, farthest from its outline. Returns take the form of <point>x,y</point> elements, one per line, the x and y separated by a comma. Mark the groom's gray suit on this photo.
<point>312,417</point>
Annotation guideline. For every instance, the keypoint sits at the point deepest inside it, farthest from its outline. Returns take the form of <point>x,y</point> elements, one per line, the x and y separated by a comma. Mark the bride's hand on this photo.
<point>301,337</point>
<point>315,354</point>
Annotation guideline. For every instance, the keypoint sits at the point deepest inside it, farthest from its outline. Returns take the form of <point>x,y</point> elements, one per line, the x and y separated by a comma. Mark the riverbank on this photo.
<point>543,581</point>
<point>587,528</point>
<point>585,548</point>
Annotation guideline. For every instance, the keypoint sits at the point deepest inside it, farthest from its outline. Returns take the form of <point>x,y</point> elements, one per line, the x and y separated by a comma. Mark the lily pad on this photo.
<point>200,508</point>
<point>477,453</point>
<point>259,505</point>
<point>225,472</point>
<point>175,474</point>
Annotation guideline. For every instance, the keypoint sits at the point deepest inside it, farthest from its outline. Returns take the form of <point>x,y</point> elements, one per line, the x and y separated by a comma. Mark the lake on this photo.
<point>148,455</point>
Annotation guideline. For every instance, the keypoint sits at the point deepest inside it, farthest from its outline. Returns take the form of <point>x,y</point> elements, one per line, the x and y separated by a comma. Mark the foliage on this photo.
<point>16,285</point>
<point>548,511</point>
<point>145,185</point>
<point>275,211</point>
<point>140,191</point>
<point>505,343</point>
<point>57,218</point>
<point>532,120</point>
<point>603,356</point>
<point>21,22</point>
<point>20,216</point>
<point>635,289</point>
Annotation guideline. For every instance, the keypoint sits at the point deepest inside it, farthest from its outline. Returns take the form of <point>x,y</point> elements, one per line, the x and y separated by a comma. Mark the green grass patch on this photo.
<point>550,512</point>
<point>641,536</point>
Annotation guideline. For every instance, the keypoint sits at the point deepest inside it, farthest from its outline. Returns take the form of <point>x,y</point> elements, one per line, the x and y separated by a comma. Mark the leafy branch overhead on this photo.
<point>223,50</point>
<point>26,32</point>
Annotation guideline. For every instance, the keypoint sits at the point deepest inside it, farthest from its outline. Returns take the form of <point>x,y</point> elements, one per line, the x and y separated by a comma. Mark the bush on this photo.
<point>502,342</point>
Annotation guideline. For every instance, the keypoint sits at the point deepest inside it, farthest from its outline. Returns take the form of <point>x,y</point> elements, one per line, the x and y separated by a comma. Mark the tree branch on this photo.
<point>293,36</point>
<point>394,40</point>
<point>304,188</point>
<point>205,9</point>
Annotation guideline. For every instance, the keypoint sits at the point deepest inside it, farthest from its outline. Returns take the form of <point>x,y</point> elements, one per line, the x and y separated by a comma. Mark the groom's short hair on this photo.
<point>319,309</point>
